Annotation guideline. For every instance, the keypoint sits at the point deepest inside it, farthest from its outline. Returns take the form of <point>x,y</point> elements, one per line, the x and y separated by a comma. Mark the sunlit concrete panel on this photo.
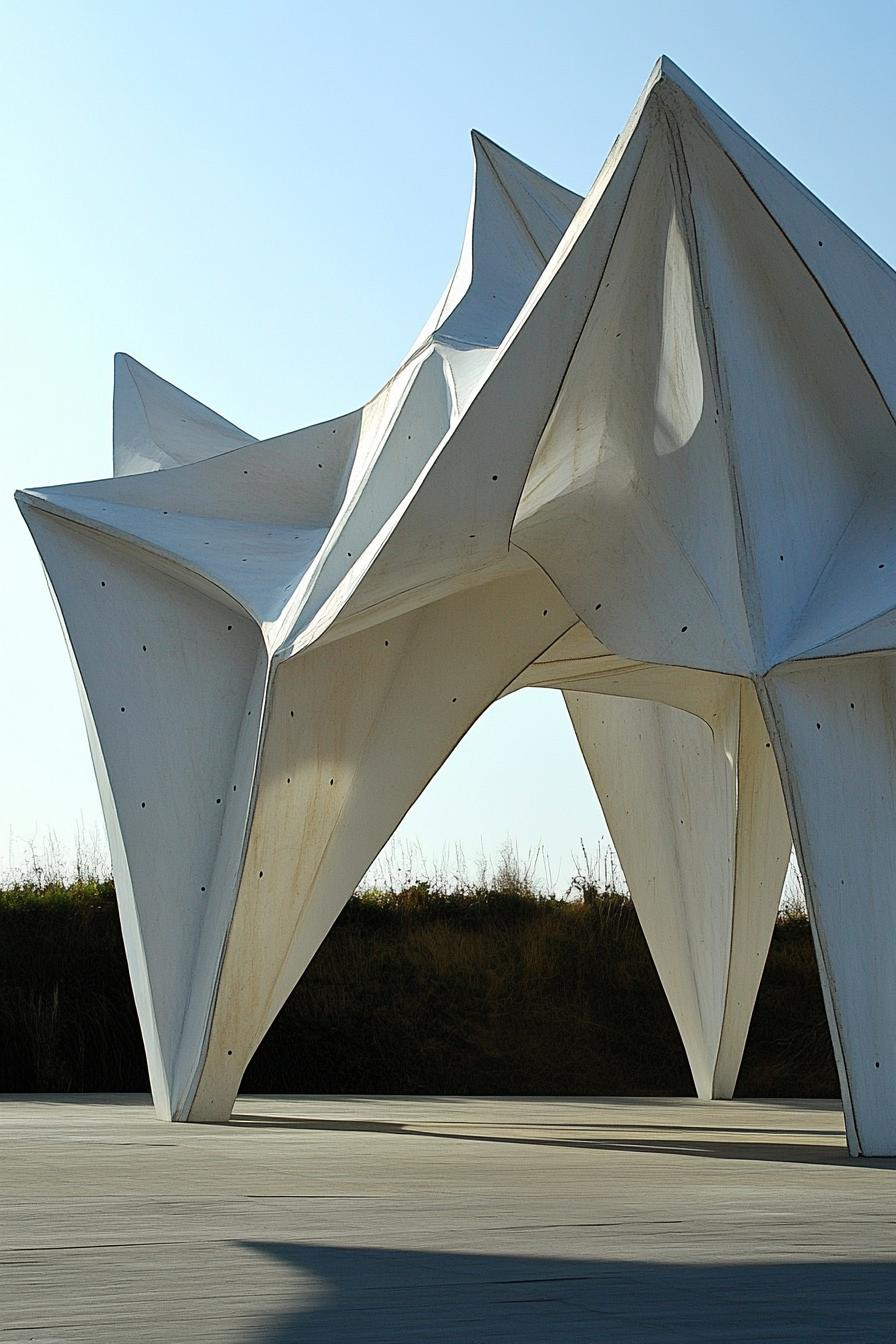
<point>834,730</point>
<point>694,806</point>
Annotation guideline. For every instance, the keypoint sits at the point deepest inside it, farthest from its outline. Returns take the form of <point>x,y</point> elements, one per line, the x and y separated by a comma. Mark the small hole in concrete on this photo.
<point>683,628</point>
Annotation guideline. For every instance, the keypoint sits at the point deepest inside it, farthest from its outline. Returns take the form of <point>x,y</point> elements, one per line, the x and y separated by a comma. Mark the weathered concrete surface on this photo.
<point>416,1219</point>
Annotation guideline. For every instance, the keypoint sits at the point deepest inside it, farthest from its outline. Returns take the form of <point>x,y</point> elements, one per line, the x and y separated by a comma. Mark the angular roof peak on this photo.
<point>156,425</point>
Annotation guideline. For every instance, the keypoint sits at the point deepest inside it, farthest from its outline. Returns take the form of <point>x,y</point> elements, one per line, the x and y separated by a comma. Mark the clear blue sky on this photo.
<point>262,201</point>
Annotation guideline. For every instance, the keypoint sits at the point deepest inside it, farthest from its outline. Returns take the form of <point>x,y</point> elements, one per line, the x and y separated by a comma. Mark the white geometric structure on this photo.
<point>643,451</point>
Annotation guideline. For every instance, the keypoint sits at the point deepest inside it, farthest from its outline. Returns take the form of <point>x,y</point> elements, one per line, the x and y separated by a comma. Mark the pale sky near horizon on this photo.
<point>262,202</point>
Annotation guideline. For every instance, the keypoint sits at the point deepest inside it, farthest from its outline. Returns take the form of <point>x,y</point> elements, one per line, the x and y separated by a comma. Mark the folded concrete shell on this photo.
<point>640,452</point>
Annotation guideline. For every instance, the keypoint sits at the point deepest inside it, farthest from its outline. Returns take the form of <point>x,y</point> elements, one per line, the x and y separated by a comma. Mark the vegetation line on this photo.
<point>426,986</point>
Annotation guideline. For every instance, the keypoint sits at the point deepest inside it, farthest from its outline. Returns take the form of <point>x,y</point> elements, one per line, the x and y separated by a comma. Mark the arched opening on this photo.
<point>448,997</point>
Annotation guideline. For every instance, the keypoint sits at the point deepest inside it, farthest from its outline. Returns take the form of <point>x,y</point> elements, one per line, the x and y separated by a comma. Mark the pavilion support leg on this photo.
<point>832,721</point>
<point>693,803</point>
<point>354,730</point>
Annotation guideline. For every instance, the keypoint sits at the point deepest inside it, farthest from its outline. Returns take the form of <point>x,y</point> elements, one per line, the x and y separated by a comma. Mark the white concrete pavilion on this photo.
<point>643,451</point>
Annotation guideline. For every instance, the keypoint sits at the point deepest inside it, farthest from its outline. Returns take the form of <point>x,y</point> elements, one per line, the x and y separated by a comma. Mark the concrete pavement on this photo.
<point>422,1219</point>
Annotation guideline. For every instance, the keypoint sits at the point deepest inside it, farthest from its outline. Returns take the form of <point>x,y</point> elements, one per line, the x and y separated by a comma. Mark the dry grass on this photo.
<point>433,986</point>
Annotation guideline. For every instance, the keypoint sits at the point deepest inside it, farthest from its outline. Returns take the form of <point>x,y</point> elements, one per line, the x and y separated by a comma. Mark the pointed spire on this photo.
<point>517,218</point>
<point>155,425</point>
<point>543,207</point>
